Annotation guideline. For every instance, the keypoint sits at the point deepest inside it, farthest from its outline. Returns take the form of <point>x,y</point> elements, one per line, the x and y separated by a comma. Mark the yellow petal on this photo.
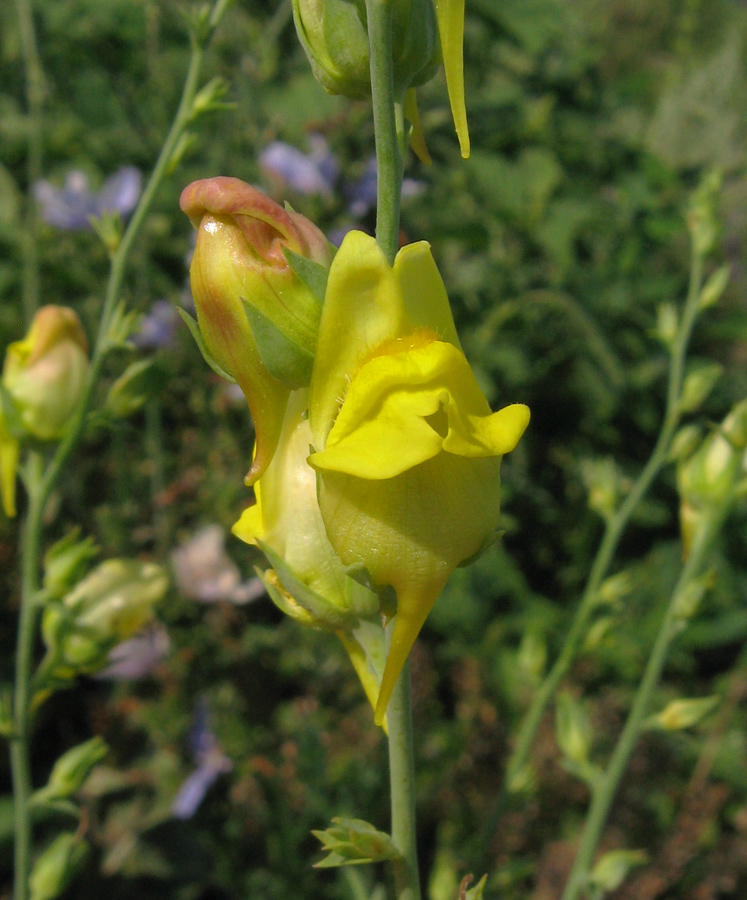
<point>423,293</point>
<point>362,308</point>
<point>250,528</point>
<point>403,408</point>
<point>450,15</point>
<point>411,531</point>
<point>417,139</point>
<point>492,435</point>
<point>367,303</point>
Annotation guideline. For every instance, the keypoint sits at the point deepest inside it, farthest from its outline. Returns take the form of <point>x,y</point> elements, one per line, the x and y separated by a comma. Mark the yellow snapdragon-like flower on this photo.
<point>405,445</point>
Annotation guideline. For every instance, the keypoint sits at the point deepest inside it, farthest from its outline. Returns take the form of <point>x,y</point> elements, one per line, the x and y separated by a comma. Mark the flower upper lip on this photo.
<point>263,222</point>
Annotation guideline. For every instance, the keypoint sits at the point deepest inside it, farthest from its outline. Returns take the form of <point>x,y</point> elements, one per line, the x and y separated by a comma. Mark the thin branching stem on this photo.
<point>614,529</point>
<point>40,482</point>
<point>606,787</point>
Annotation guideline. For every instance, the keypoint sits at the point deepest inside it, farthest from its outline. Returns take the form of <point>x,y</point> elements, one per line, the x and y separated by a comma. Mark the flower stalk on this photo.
<point>389,161</point>
<point>390,167</point>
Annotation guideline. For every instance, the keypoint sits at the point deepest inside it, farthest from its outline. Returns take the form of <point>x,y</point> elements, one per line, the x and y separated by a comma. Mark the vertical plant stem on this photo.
<point>19,747</point>
<point>402,783</point>
<point>614,529</point>
<point>389,161</point>
<point>34,104</point>
<point>606,788</point>
<point>40,482</point>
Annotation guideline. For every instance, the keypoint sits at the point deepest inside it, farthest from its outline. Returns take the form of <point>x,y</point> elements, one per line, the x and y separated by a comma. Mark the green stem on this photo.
<point>614,529</point>
<point>389,133</point>
<point>41,484</point>
<point>389,161</point>
<point>606,788</point>
<point>402,782</point>
<point>19,747</point>
<point>34,102</point>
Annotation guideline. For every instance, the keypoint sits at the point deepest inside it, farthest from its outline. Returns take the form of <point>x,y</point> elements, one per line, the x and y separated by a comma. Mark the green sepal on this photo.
<point>288,608</point>
<point>319,607</point>
<point>474,893</point>
<point>287,362</point>
<point>65,562</point>
<point>361,600</point>
<point>361,594</point>
<point>206,355</point>
<point>487,544</point>
<point>354,842</point>
<point>11,415</point>
<point>312,274</point>
<point>131,390</point>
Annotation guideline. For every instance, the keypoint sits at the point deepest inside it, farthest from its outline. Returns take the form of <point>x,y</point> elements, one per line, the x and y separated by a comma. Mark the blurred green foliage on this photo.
<point>559,239</point>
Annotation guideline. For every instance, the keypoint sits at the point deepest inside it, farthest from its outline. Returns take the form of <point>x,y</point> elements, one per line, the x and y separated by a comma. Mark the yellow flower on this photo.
<point>405,445</point>
<point>44,376</point>
<point>257,318</point>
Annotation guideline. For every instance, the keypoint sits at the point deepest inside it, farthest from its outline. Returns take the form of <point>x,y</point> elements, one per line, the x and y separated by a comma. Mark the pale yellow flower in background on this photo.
<point>44,376</point>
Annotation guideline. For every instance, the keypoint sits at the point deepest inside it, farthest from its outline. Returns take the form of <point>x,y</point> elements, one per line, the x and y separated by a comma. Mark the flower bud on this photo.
<point>109,605</point>
<point>684,713</point>
<point>406,448</point>
<point>71,770</point>
<point>56,866</point>
<point>258,319</point>
<point>44,377</point>
<point>334,35</point>
<point>45,373</point>
<point>708,478</point>
<point>572,729</point>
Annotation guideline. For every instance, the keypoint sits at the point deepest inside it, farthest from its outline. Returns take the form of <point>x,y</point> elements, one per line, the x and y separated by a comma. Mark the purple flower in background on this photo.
<point>157,327</point>
<point>137,657</point>
<point>210,760</point>
<point>70,206</point>
<point>361,194</point>
<point>309,173</point>
<point>205,572</point>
